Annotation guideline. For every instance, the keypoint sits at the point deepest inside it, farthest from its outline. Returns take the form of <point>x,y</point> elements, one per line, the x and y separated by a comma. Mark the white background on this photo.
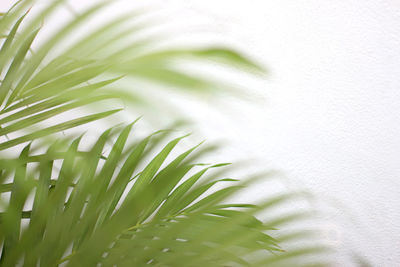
<point>328,115</point>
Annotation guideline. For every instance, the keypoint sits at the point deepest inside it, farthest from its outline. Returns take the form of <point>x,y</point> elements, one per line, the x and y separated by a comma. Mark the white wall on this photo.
<point>329,113</point>
<point>332,110</point>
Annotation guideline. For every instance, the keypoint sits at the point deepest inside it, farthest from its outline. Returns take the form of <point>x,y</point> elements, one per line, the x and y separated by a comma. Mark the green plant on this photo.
<point>63,205</point>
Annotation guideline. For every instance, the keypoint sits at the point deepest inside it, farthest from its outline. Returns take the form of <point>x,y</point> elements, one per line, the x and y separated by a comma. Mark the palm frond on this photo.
<point>70,206</point>
<point>57,79</point>
<point>102,209</point>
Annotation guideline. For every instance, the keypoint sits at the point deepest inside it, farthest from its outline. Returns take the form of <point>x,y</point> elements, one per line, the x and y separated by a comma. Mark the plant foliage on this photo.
<point>137,204</point>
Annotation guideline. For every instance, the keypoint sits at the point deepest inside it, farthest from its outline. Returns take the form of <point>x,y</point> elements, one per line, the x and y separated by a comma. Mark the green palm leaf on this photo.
<point>84,207</point>
<point>104,210</point>
<point>53,80</point>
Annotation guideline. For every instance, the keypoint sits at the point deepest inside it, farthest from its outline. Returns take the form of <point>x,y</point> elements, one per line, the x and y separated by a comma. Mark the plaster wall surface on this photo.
<point>328,115</point>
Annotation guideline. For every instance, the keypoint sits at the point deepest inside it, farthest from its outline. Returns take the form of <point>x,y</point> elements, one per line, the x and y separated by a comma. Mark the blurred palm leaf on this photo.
<point>74,207</point>
<point>56,79</point>
<point>101,209</point>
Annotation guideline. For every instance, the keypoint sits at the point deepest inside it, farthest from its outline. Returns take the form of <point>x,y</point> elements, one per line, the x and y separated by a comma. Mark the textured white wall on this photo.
<point>329,113</point>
